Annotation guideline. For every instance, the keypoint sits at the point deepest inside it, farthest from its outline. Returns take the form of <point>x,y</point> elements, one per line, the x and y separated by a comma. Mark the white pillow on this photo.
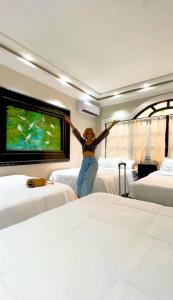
<point>167,165</point>
<point>130,163</point>
<point>108,162</point>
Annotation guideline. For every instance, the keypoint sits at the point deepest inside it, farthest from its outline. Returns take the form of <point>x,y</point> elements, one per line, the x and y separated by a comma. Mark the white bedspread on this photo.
<point>156,187</point>
<point>107,179</point>
<point>101,247</point>
<point>18,202</point>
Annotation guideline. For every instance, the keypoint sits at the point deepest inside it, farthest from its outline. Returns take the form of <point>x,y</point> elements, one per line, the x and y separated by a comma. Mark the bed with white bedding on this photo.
<point>18,202</point>
<point>157,187</point>
<point>100,247</point>
<point>107,178</point>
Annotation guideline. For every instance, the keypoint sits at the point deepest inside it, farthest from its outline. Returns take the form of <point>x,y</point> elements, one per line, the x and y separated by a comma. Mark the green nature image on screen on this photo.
<point>32,131</point>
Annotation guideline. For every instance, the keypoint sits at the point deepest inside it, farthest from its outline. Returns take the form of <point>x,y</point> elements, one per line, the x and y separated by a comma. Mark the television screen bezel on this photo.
<point>15,157</point>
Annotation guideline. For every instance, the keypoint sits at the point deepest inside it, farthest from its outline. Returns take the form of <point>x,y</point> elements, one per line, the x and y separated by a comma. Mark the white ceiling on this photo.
<point>103,45</point>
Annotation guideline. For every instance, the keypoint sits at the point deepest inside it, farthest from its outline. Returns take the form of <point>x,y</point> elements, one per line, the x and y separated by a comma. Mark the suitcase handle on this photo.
<point>122,164</point>
<point>119,167</point>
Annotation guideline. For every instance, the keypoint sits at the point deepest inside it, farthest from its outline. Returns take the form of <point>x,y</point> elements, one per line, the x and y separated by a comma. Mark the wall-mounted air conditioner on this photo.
<point>89,108</point>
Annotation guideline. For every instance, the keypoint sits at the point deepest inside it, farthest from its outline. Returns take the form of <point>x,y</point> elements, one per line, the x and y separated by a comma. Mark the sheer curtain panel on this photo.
<point>119,141</point>
<point>170,144</point>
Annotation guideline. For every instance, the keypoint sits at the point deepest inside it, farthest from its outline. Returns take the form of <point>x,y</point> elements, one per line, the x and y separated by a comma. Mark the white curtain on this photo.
<point>170,145</point>
<point>119,141</point>
<point>158,130</point>
<point>140,139</point>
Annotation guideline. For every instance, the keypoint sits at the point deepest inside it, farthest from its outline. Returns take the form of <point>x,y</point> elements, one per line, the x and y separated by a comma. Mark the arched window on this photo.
<point>162,108</point>
<point>149,133</point>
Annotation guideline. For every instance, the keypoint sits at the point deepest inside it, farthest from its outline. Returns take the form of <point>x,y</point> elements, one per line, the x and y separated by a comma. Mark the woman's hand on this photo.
<point>67,119</point>
<point>115,122</point>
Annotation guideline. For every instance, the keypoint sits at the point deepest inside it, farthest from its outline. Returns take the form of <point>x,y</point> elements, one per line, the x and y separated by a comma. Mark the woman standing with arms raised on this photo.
<point>89,166</point>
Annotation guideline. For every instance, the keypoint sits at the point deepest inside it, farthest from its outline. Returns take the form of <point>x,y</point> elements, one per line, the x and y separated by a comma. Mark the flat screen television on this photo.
<point>31,130</point>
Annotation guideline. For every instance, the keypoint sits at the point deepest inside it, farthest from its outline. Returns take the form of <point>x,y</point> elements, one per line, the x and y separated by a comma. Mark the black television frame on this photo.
<point>8,158</point>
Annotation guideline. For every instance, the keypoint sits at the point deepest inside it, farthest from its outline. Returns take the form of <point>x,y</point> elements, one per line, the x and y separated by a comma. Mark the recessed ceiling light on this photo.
<point>146,85</point>
<point>64,80</point>
<point>26,62</point>
<point>27,57</point>
<point>145,89</point>
<point>116,95</point>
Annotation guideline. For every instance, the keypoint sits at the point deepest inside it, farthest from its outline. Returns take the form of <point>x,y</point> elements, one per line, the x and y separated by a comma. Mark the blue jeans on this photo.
<point>87,176</point>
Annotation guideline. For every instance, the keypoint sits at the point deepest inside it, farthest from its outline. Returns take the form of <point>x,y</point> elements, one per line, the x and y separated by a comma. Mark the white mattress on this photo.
<point>107,179</point>
<point>156,187</point>
<point>101,247</point>
<point>18,202</point>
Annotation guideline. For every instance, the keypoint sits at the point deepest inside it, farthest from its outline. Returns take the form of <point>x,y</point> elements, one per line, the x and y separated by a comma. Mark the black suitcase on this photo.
<point>124,193</point>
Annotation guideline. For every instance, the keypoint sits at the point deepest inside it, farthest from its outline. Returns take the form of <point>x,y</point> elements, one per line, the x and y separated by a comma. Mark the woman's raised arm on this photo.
<point>67,119</point>
<point>113,123</point>
<point>74,130</point>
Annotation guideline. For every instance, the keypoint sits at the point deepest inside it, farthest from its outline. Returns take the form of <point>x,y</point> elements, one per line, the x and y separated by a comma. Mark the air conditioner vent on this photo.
<point>89,108</point>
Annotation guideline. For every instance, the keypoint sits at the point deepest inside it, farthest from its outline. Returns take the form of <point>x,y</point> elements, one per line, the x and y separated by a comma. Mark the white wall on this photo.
<point>25,85</point>
<point>128,110</point>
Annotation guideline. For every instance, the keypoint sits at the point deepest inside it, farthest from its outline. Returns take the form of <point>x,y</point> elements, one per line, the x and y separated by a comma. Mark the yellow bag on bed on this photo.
<point>35,182</point>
